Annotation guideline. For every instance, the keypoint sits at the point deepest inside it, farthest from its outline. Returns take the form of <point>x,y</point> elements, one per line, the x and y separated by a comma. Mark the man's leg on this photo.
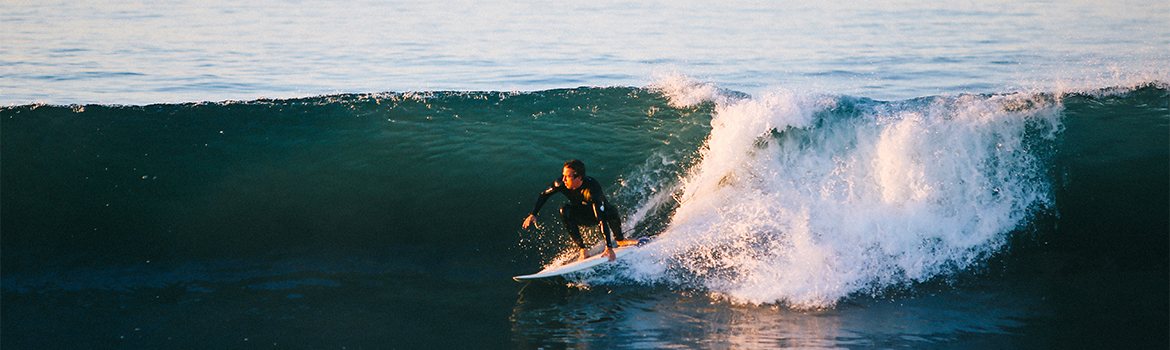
<point>569,219</point>
<point>615,225</point>
<point>614,221</point>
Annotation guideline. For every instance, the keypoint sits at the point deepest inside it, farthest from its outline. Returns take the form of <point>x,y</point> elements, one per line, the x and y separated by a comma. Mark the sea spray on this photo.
<point>804,199</point>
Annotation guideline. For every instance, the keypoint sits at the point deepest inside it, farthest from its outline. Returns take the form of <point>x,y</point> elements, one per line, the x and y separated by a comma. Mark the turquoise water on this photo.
<point>857,175</point>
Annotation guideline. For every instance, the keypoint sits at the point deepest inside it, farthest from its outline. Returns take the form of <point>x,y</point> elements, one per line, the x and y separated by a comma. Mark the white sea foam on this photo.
<point>684,91</point>
<point>798,201</point>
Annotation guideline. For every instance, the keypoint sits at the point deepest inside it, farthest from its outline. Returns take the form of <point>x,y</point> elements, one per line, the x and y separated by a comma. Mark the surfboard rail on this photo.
<point>595,258</point>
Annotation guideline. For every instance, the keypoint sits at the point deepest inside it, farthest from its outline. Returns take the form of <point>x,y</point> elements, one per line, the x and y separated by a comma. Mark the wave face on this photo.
<point>784,197</point>
<point>444,170</point>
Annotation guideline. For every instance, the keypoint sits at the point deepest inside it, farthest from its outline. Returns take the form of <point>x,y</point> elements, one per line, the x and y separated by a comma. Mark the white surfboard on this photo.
<point>595,258</point>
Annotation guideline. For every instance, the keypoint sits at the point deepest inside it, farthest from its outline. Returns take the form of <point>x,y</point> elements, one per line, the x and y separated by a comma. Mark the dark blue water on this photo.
<point>392,220</point>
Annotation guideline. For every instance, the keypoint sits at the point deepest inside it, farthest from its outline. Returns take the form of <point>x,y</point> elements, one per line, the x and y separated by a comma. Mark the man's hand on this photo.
<point>529,220</point>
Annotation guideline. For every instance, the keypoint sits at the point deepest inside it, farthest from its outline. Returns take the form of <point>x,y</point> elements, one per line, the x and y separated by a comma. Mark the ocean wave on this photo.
<point>794,197</point>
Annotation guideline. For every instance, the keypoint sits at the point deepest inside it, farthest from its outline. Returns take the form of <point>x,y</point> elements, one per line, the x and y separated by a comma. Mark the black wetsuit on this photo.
<point>587,206</point>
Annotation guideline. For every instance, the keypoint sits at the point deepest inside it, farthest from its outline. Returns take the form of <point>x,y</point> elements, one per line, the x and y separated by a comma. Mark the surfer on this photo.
<point>586,206</point>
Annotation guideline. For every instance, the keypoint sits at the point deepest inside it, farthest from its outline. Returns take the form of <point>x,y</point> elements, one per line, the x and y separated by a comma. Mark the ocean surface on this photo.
<point>353,175</point>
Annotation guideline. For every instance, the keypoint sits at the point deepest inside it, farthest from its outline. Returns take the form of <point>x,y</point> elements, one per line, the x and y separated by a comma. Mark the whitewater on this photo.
<point>806,198</point>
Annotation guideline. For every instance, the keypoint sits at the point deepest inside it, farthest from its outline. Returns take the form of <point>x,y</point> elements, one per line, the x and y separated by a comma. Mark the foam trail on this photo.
<point>804,199</point>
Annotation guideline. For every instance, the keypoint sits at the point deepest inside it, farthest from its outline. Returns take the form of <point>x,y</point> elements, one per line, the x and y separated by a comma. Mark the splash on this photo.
<point>804,199</point>
<point>684,91</point>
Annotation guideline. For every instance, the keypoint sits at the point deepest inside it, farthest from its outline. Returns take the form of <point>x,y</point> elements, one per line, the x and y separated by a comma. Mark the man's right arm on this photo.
<point>543,197</point>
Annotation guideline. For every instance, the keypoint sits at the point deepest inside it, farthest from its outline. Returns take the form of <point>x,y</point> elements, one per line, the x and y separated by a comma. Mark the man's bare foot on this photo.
<point>584,254</point>
<point>609,253</point>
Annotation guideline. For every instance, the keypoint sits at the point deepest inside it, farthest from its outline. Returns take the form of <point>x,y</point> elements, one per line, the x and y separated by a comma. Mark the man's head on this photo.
<point>573,174</point>
<point>577,166</point>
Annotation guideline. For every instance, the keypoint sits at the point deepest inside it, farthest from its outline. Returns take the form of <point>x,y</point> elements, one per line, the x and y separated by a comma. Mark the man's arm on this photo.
<point>544,195</point>
<point>599,213</point>
<point>540,200</point>
<point>610,242</point>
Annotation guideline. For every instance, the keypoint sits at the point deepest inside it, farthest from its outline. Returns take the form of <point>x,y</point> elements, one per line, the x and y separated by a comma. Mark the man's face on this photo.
<point>571,179</point>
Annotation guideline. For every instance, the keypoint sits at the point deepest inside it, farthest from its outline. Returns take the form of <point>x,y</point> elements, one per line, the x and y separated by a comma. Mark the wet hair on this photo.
<point>577,167</point>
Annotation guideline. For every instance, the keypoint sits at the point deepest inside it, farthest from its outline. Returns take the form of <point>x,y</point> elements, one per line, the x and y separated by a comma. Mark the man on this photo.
<point>587,206</point>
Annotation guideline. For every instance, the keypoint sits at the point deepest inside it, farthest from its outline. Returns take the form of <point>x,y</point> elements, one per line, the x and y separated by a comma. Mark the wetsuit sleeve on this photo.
<point>543,197</point>
<point>597,199</point>
<point>607,232</point>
